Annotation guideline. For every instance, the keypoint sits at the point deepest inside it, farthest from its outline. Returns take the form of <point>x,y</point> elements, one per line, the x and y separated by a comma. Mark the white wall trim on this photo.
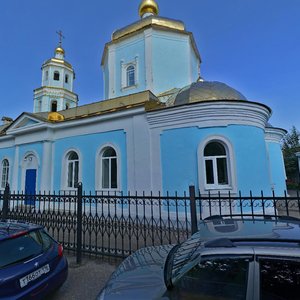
<point>111,70</point>
<point>210,114</point>
<point>148,59</point>
<point>138,146</point>
<point>52,167</point>
<point>171,36</point>
<point>189,55</point>
<point>274,134</point>
<point>14,183</point>
<point>46,169</point>
<point>28,153</point>
<point>155,160</point>
<point>49,131</point>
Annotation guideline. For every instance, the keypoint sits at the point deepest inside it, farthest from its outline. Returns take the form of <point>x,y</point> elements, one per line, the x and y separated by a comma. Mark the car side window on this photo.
<point>279,279</point>
<point>35,236</point>
<point>47,240</point>
<point>214,278</point>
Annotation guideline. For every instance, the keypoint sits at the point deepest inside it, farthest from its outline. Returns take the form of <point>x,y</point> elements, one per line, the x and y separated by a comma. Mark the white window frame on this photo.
<point>74,163</point>
<point>215,167</point>
<point>4,173</point>
<point>130,71</point>
<point>230,164</point>
<point>99,164</point>
<point>65,170</point>
<point>124,74</point>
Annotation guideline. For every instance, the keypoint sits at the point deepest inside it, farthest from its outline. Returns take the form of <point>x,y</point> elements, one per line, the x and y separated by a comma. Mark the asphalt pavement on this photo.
<point>87,279</point>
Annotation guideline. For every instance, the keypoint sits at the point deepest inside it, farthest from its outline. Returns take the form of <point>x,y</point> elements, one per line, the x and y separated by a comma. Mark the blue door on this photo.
<point>30,183</point>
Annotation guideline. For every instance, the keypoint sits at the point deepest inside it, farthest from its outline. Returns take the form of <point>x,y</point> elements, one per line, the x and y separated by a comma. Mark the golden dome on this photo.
<point>148,6</point>
<point>55,117</point>
<point>59,50</point>
<point>201,91</point>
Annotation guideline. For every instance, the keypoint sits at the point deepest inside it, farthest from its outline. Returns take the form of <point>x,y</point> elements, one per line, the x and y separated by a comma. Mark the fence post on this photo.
<point>193,209</point>
<point>6,198</point>
<point>79,224</point>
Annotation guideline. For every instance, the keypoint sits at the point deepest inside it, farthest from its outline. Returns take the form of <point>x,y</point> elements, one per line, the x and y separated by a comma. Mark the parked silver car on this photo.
<point>226,259</point>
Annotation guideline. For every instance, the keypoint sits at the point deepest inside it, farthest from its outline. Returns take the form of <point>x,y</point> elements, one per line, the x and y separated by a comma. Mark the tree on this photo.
<point>290,146</point>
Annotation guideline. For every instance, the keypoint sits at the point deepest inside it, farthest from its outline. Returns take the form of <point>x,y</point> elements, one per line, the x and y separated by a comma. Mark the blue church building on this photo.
<point>161,126</point>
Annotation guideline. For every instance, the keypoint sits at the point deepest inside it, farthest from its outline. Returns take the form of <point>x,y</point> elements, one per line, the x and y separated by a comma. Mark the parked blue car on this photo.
<point>32,264</point>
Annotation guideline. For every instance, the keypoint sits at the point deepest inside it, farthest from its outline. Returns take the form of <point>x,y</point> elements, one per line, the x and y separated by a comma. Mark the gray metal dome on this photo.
<point>204,91</point>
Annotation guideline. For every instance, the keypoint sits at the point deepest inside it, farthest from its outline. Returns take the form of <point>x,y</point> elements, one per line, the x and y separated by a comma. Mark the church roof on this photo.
<point>3,128</point>
<point>143,99</point>
<point>148,11</point>
<point>57,61</point>
<point>146,99</point>
<point>147,22</point>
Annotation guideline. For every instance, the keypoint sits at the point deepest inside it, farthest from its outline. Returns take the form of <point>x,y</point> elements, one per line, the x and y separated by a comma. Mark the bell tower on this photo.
<point>56,92</point>
<point>154,53</point>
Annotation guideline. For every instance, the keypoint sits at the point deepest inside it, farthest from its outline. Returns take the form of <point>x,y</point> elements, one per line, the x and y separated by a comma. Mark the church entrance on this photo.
<point>30,184</point>
<point>29,177</point>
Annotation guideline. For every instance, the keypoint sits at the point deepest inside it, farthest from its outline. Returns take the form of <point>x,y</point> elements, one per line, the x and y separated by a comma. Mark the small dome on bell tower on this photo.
<point>59,52</point>
<point>148,8</point>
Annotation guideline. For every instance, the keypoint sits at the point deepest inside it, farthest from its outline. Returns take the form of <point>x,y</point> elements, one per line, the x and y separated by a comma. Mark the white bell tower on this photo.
<point>56,92</point>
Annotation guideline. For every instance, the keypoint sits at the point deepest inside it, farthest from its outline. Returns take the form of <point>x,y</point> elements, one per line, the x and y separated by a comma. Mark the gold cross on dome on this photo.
<point>60,36</point>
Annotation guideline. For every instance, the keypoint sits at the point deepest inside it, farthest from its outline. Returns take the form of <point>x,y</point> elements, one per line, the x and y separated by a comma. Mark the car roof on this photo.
<point>249,229</point>
<point>11,228</point>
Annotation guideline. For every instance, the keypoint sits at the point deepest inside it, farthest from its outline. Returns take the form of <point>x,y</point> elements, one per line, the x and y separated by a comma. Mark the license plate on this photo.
<point>34,275</point>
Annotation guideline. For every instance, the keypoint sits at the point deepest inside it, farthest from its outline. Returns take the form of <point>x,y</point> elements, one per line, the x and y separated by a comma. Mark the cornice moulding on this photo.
<point>210,114</point>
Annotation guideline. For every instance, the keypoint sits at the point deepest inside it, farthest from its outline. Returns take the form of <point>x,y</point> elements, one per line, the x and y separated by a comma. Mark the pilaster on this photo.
<point>46,167</point>
<point>14,182</point>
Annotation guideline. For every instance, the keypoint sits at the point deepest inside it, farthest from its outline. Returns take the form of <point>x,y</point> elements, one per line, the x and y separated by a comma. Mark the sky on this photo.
<point>251,45</point>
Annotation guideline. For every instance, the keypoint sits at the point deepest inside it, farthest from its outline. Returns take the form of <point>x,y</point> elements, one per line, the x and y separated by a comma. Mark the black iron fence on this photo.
<point>117,224</point>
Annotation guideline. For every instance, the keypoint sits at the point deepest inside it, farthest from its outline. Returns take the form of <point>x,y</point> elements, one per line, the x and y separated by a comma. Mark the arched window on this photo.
<point>56,76</point>
<point>109,169</point>
<point>66,78</point>
<point>54,106</point>
<point>67,106</point>
<point>46,75</point>
<point>72,169</point>
<point>130,75</point>
<point>4,173</point>
<point>216,165</point>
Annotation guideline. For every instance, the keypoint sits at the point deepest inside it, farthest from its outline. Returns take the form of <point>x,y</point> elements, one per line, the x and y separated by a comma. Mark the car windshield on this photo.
<point>181,258</point>
<point>20,248</point>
